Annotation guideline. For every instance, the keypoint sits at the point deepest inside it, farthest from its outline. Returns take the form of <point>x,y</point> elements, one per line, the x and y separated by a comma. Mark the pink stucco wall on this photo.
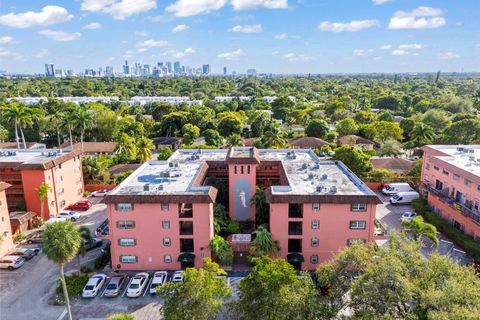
<point>233,177</point>
<point>149,235</point>
<point>333,233</point>
<point>6,244</point>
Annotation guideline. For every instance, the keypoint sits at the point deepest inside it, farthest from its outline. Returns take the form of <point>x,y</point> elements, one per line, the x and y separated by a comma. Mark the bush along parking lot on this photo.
<point>103,259</point>
<point>75,284</point>
<point>465,242</point>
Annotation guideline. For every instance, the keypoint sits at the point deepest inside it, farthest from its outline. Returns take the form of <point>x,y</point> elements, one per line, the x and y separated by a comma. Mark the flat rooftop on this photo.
<point>305,172</point>
<point>34,158</point>
<point>465,157</point>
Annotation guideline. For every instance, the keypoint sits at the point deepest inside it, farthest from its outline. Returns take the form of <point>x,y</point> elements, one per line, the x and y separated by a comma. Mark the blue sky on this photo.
<point>279,36</point>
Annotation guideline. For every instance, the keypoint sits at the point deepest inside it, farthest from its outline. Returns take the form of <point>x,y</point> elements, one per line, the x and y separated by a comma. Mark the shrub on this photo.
<point>86,193</point>
<point>19,237</point>
<point>120,316</point>
<point>75,284</point>
<point>233,227</point>
<point>37,222</point>
<point>102,260</point>
<point>85,269</point>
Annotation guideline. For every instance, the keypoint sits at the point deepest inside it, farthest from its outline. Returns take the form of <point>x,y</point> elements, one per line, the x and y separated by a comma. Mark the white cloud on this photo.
<point>420,18</point>
<point>231,55</point>
<point>59,35</point>
<point>180,28</point>
<point>118,9</point>
<point>386,47</point>
<point>150,43</point>
<point>178,54</point>
<point>296,57</point>
<point>111,59</point>
<point>189,50</point>
<point>141,33</point>
<point>92,26</point>
<point>48,16</point>
<point>252,28</point>
<point>5,40</point>
<point>413,46</point>
<point>187,8</point>
<point>280,36</point>
<point>377,58</point>
<point>399,52</point>
<point>4,52</point>
<point>448,55</point>
<point>128,54</point>
<point>352,26</point>
<point>42,53</point>
<point>359,52</point>
<point>252,4</point>
<point>379,2</point>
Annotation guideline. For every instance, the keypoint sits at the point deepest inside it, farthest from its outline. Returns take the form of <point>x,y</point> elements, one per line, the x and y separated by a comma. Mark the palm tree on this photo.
<point>422,134</point>
<point>234,140</point>
<point>21,116</point>
<point>61,242</point>
<point>222,248</point>
<point>271,139</point>
<point>56,118</point>
<point>82,119</point>
<point>67,119</point>
<point>126,147</point>
<point>42,191</point>
<point>418,229</point>
<point>144,149</point>
<point>262,210</point>
<point>86,235</point>
<point>263,245</point>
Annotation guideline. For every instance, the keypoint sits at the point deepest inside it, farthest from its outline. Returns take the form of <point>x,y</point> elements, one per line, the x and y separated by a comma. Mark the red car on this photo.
<point>82,205</point>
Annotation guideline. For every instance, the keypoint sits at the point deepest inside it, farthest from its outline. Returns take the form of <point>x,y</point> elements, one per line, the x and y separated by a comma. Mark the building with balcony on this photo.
<point>451,182</point>
<point>161,216</point>
<point>6,241</point>
<point>26,169</point>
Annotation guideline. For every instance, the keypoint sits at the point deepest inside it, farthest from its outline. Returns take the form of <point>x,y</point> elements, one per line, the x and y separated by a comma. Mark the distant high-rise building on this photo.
<point>206,69</point>
<point>177,69</point>
<point>252,72</point>
<point>224,71</point>
<point>169,67</point>
<point>49,70</point>
<point>126,68</point>
<point>146,70</point>
<point>109,71</point>
<point>59,73</point>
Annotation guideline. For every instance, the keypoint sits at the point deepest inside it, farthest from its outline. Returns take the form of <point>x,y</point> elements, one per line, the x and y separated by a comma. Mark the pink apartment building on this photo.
<point>451,180</point>
<point>161,216</point>
<point>6,242</point>
<point>25,170</point>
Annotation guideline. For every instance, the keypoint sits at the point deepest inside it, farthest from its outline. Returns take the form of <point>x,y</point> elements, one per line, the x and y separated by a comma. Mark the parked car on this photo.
<point>100,193</point>
<point>25,253</point>
<point>69,214</point>
<point>408,216</point>
<point>137,285</point>
<point>11,262</point>
<point>102,229</point>
<point>383,185</point>
<point>55,219</point>
<point>114,286</point>
<point>394,188</point>
<point>177,276</point>
<point>404,197</point>
<point>35,237</point>
<point>93,286</point>
<point>82,205</point>
<point>159,279</point>
<point>94,243</point>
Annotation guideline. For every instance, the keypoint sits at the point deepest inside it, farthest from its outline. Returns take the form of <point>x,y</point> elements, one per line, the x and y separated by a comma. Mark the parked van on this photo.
<point>394,188</point>
<point>11,262</point>
<point>404,197</point>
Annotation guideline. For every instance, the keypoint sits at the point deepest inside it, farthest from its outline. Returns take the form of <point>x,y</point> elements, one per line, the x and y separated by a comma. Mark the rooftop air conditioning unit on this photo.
<point>176,164</point>
<point>333,189</point>
<point>319,188</point>
<point>304,166</point>
<point>310,176</point>
<point>160,187</point>
<point>324,176</point>
<point>146,187</point>
<point>170,164</point>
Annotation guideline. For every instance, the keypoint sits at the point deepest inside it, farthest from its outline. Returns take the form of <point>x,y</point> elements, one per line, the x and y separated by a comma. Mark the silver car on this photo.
<point>114,286</point>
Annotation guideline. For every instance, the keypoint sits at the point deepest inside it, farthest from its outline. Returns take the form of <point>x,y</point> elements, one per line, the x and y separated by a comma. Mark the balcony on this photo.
<point>186,228</point>
<point>185,210</point>
<point>294,245</point>
<point>295,210</point>
<point>465,209</point>
<point>295,228</point>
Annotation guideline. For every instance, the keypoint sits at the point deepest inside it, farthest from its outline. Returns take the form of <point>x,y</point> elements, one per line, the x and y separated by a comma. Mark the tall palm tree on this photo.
<point>126,147</point>
<point>144,149</point>
<point>86,235</point>
<point>271,139</point>
<point>82,119</point>
<point>262,209</point>
<point>422,134</point>
<point>61,242</point>
<point>67,119</point>
<point>56,116</point>
<point>417,228</point>
<point>21,115</point>
<point>263,245</point>
<point>42,191</point>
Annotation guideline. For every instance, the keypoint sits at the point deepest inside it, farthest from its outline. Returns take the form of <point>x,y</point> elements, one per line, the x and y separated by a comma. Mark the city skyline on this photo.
<point>327,37</point>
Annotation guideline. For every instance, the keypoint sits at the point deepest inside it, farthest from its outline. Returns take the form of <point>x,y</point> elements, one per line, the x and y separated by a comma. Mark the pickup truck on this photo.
<point>94,243</point>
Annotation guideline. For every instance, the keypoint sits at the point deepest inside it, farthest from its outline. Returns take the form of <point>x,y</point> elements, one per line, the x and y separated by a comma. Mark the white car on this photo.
<point>159,279</point>
<point>408,216</point>
<point>100,193</point>
<point>138,283</point>
<point>56,219</point>
<point>11,262</point>
<point>69,214</point>
<point>177,276</point>
<point>93,286</point>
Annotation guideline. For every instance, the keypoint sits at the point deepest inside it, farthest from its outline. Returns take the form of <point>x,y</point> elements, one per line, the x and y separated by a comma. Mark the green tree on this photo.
<point>173,122</point>
<point>82,120</point>
<point>120,316</point>
<point>164,153</point>
<point>144,149</point>
<point>87,237</point>
<point>380,175</point>
<point>222,249</point>
<point>386,115</point>
<point>422,134</point>
<point>316,128</point>
<point>462,132</point>
<point>234,140</point>
<point>418,229</point>
<point>201,116</point>
<point>21,116</point>
<point>271,139</point>
<point>126,149</point>
<point>282,107</point>
<point>436,119</point>
<point>262,209</point>
<point>388,103</point>
<point>263,244</point>
<point>365,117</point>
<point>259,123</point>
<point>213,137</point>
<point>390,148</point>
<point>61,242</point>
<point>42,192</point>
<point>407,125</point>
<point>354,159</point>
<point>199,297</point>
<point>190,133</point>
<point>230,124</point>
<point>346,126</point>
<point>383,130</point>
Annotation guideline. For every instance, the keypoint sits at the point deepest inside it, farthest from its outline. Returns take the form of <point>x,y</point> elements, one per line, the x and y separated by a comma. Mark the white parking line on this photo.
<point>60,317</point>
<point>128,285</point>
<point>106,285</point>
<point>148,286</point>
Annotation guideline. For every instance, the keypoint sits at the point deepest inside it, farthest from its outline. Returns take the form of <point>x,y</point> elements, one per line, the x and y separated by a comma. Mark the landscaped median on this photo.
<point>465,242</point>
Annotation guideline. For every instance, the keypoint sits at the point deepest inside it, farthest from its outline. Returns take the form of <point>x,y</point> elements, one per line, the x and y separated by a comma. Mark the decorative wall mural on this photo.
<point>241,199</point>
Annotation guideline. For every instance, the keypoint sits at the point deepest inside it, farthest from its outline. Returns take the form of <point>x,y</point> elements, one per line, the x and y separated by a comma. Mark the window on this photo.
<point>241,169</point>
<point>167,258</point>
<point>358,207</point>
<point>186,228</point>
<point>314,259</point>
<point>248,169</point>
<point>165,207</point>
<point>167,242</point>
<point>295,228</point>
<point>128,259</point>
<point>352,241</point>
<point>315,224</point>
<point>427,166</point>
<point>358,224</point>
<point>445,172</point>
<point>456,177</point>
<point>124,207</point>
<point>62,203</point>
<point>316,207</point>
<point>468,183</point>
<point>235,169</point>
<point>295,210</point>
<point>186,245</point>
<point>61,191</point>
<point>166,224</point>
<point>436,168</point>
<point>294,245</point>
<point>61,178</point>
<point>127,242</point>
<point>125,224</point>
<point>314,242</point>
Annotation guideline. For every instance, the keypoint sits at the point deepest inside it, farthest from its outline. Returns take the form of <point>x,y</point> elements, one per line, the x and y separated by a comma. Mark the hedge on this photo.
<point>465,242</point>
<point>75,284</point>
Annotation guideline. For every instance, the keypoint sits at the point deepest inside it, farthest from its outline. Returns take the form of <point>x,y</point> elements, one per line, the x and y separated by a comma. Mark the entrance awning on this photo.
<point>186,258</point>
<point>295,257</point>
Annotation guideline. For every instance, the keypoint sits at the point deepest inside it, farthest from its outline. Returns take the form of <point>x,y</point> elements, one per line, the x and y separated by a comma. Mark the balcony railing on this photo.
<point>467,211</point>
